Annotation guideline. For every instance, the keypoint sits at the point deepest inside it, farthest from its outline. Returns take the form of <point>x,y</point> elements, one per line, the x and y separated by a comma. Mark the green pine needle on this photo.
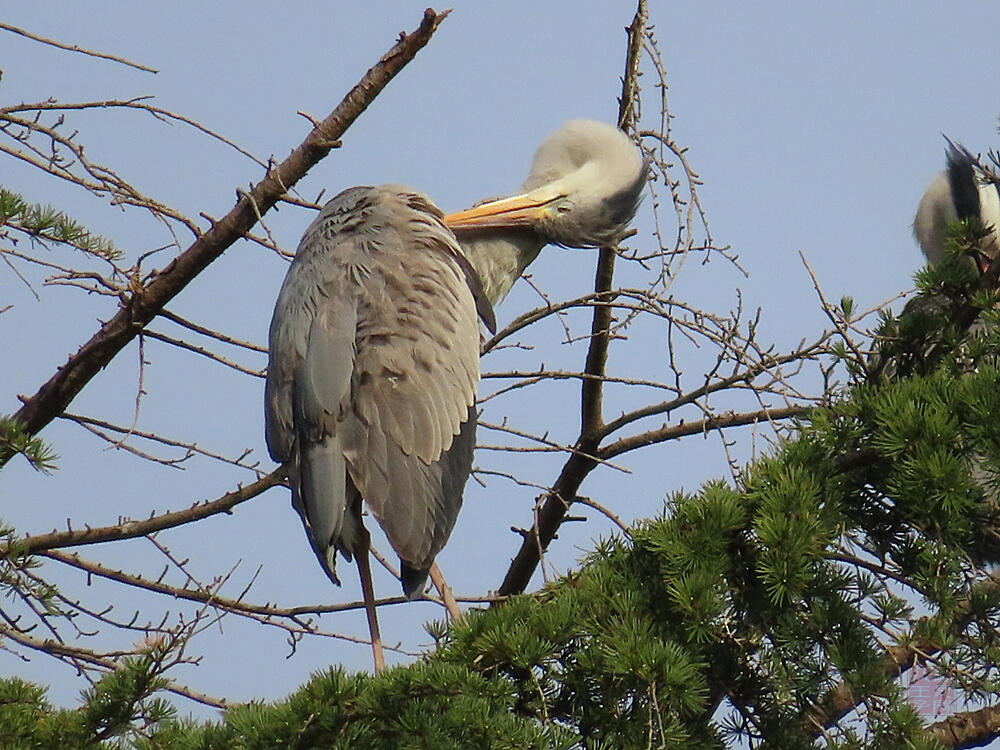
<point>48,224</point>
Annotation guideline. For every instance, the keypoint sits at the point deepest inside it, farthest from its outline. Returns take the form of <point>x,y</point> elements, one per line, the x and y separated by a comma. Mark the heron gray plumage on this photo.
<point>583,189</point>
<point>962,191</point>
<point>374,342</point>
<point>371,383</point>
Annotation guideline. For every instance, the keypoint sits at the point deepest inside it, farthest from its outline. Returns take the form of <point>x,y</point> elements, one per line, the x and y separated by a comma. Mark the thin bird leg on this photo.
<point>368,593</point>
<point>437,578</point>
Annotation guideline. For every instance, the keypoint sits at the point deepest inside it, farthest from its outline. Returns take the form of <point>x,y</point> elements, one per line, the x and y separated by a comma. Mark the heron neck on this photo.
<point>499,258</point>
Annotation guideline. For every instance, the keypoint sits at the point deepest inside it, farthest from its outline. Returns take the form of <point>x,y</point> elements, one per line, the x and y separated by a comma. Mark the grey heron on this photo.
<point>371,381</point>
<point>374,343</point>
<point>962,191</point>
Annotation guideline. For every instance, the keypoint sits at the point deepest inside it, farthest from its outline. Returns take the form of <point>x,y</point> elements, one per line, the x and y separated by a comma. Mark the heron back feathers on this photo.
<point>374,364</point>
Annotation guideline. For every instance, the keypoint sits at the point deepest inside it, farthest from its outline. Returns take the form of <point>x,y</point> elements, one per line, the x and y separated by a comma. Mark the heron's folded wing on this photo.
<point>311,359</point>
<point>416,373</point>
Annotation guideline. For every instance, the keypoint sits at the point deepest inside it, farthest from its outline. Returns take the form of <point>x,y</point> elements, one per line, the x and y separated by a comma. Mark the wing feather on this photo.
<point>319,494</point>
<point>311,361</point>
<point>420,381</point>
<point>373,373</point>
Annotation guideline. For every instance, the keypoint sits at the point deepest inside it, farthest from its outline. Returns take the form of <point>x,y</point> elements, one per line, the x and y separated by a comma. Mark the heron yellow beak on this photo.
<point>523,210</point>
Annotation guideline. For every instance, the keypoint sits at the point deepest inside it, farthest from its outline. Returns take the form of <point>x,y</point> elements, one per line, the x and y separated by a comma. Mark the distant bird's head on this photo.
<point>962,191</point>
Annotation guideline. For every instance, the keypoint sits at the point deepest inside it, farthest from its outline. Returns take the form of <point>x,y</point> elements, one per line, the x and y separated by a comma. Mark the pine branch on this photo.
<point>14,440</point>
<point>841,700</point>
<point>47,224</point>
<point>968,728</point>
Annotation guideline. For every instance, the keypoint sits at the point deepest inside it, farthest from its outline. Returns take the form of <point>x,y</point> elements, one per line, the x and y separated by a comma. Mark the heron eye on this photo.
<point>564,208</point>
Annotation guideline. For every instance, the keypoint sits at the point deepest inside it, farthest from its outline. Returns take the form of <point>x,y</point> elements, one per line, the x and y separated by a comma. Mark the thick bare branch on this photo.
<point>553,511</point>
<point>147,301</point>
<point>133,529</point>
<point>968,728</point>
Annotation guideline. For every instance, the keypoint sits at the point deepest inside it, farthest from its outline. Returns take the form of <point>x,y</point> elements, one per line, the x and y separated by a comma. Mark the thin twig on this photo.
<point>75,48</point>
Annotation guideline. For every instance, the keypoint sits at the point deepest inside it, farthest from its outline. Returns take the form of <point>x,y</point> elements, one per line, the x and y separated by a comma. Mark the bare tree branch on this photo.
<point>262,613</point>
<point>553,511</point>
<point>74,48</point>
<point>55,395</point>
<point>106,661</point>
<point>139,104</point>
<point>133,529</point>
<point>696,427</point>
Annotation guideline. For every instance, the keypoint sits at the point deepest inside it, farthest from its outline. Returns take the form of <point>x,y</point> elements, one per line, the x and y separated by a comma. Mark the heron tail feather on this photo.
<point>318,493</point>
<point>414,581</point>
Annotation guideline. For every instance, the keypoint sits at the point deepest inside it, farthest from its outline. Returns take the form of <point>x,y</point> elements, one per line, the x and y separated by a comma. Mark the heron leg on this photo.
<point>368,593</point>
<point>437,578</point>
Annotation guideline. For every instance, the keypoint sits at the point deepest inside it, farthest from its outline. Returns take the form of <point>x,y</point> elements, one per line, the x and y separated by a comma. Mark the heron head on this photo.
<point>584,188</point>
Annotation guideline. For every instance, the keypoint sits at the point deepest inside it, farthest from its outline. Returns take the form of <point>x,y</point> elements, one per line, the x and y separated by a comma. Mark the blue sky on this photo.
<point>815,128</point>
